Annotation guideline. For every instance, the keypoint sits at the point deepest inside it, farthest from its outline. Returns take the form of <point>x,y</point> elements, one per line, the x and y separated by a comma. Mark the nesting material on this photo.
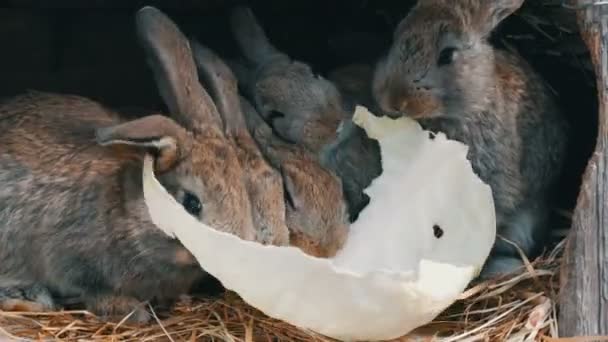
<point>517,307</point>
<point>424,236</point>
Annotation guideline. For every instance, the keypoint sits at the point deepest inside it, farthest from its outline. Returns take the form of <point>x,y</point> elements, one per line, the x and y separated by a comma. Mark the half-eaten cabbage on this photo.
<point>424,236</point>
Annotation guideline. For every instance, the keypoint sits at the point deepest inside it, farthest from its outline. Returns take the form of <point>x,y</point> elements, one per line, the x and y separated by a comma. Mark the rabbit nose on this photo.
<point>403,107</point>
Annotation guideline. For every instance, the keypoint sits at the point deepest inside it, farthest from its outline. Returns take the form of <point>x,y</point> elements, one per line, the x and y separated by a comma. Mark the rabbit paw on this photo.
<point>33,298</point>
<point>116,308</point>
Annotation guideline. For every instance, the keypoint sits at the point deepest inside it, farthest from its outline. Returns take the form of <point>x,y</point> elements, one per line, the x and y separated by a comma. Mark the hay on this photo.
<point>518,307</point>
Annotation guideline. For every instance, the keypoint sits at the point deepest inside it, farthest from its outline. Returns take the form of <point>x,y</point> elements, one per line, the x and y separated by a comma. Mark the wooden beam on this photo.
<point>584,278</point>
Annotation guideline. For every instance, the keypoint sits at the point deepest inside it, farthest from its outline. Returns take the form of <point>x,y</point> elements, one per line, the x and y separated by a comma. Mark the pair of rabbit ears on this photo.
<point>183,69</point>
<point>479,17</point>
<point>490,13</point>
<point>175,62</point>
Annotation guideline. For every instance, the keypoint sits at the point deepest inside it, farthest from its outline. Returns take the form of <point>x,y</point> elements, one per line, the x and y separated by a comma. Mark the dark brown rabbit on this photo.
<point>442,71</point>
<point>264,183</point>
<point>73,222</point>
<point>316,211</point>
<point>304,108</point>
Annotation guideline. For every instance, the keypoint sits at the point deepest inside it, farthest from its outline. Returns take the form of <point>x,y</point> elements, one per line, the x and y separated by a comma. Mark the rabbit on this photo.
<point>73,221</point>
<point>442,71</point>
<point>305,108</point>
<point>316,212</point>
<point>264,184</point>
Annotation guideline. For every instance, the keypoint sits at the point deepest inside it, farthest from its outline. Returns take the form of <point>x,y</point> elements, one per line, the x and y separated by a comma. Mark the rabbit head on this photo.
<point>301,106</point>
<point>194,160</point>
<point>264,183</point>
<point>440,62</point>
<point>316,211</point>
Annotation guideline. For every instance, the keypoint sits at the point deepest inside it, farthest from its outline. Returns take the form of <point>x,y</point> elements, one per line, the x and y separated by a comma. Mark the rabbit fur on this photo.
<point>316,212</point>
<point>264,183</point>
<point>442,71</point>
<point>73,222</point>
<point>305,108</point>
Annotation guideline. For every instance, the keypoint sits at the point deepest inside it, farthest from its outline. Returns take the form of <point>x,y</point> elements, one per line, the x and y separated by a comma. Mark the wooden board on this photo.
<point>584,290</point>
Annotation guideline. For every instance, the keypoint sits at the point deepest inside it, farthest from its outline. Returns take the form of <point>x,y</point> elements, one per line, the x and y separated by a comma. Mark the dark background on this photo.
<point>88,47</point>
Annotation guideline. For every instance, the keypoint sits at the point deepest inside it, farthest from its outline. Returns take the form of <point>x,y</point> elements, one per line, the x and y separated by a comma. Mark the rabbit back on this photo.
<point>65,201</point>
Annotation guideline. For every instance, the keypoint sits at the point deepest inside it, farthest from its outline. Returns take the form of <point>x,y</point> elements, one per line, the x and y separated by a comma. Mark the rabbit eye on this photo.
<point>192,204</point>
<point>446,56</point>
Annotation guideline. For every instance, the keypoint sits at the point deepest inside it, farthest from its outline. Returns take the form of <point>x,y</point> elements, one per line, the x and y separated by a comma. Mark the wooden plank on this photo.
<point>584,290</point>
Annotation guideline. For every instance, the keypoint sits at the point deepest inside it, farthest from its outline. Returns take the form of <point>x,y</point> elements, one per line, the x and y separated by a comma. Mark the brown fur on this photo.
<point>20,305</point>
<point>316,212</point>
<point>264,184</point>
<point>489,99</point>
<point>73,221</point>
<point>306,109</point>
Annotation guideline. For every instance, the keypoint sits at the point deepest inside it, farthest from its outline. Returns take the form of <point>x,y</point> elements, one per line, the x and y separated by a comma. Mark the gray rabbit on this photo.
<point>442,71</point>
<point>73,222</point>
<point>305,108</point>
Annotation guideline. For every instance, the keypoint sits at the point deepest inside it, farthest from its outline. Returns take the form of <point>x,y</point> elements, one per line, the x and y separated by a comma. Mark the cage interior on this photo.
<point>91,50</point>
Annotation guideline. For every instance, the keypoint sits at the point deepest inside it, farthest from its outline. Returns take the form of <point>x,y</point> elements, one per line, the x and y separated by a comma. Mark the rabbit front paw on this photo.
<point>31,298</point>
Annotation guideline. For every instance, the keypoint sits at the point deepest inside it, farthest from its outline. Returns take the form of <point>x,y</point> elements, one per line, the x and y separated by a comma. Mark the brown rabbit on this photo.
<point>264,183</point>
<point>305,109</point>
<point>316,212</point>
<point>442,71</point>
<point>73,222</point>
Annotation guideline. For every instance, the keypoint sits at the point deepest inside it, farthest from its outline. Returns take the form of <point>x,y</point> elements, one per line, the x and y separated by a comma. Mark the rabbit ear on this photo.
<point>262,133</point>
<point>170,58</point>
<point>244,76</point>
<point>495,11</point>
<point>222,86</point>
<point>251,38</point>
<point>155,132</point>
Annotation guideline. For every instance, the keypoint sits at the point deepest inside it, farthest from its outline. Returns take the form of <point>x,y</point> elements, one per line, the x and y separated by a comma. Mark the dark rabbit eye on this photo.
<point>192,204</point>
<point>446,56</point>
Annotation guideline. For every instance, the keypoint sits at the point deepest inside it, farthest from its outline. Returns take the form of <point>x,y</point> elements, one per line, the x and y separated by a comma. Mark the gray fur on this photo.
<point>73,222</point>
<point>490,100</point>
<point>304,108</point>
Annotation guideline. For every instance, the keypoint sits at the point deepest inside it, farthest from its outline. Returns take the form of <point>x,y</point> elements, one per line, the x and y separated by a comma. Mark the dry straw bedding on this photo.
<point>518,307</point>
